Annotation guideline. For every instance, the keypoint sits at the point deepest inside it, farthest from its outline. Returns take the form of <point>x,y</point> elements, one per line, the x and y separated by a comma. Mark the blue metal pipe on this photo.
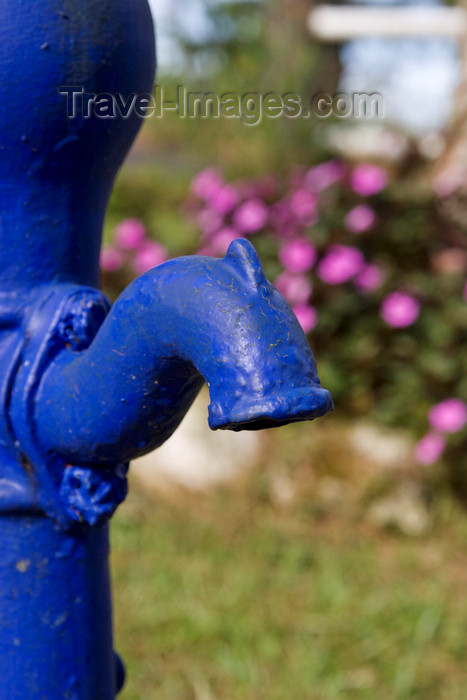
<point>55,616</point>
<point>56,173</point>
<point>55,178</point>
<point>83,387</point>
<point>188,320</point>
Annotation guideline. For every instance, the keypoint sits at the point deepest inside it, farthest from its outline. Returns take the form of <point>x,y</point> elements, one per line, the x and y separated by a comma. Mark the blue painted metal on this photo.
<point>55,616</point>
<point>186,321</point>
<point>84,387</point>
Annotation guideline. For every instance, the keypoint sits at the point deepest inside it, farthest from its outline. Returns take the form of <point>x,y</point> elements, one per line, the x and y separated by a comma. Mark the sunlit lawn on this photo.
<point>225,597</point>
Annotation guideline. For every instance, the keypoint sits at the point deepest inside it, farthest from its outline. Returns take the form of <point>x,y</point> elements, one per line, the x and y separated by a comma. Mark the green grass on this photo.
<point>226,598</point>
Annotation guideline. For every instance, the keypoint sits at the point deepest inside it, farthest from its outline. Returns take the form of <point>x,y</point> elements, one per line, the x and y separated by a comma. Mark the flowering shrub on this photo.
<point>376,274</point>
<point>449,416</point>
<point>400,310</point>
<point>131,253</point>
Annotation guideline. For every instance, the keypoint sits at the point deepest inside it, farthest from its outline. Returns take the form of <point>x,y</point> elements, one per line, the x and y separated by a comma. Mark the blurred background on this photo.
<point>323,560</point>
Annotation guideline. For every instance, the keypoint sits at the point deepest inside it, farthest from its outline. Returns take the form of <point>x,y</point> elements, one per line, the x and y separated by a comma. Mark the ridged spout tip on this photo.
<point>248,413</point>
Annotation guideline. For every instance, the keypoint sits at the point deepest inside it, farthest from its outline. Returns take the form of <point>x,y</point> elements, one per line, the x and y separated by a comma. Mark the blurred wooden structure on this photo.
<point>339,23</point>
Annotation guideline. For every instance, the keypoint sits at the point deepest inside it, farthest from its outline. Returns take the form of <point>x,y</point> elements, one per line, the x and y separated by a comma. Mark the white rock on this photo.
<point>404,509</point>
<point>196,457</point>
<point>385,448</point>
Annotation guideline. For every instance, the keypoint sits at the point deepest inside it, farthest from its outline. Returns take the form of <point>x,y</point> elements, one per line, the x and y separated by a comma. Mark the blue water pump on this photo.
<point>85,387</point>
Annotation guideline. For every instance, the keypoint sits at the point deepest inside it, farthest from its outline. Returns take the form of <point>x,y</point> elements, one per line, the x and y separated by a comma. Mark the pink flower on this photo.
<point>430,448</point>
<point>449,416</point>
<point>209,221</point>
<point>369,279</point>
<point>151,255</point>
<point>324,175</point>
<point>224,199</point>
<point>400,310</point>
<point>297,176</point>
<point>264,187</point>
<point>251,216</point>
<point>111,259</point>
<point>367,179</point>
<point>206,250</point>
<point>307,316</point>
<point>298,255</point>
<point>282,220</point>
<point>360,219</point>
<point>207,183</point>
<point>222,239</point>
<point>303,205</point>
<point>130,234</point>
<point>340,264</point>
<point>297,289</point>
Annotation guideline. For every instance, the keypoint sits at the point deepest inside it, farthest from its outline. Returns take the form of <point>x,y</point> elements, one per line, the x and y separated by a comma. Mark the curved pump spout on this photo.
<point>189,320</point>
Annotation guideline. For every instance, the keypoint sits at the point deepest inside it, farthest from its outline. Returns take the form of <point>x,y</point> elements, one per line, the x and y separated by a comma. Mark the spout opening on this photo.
<point>260,424</point>
<point>298,405</point>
